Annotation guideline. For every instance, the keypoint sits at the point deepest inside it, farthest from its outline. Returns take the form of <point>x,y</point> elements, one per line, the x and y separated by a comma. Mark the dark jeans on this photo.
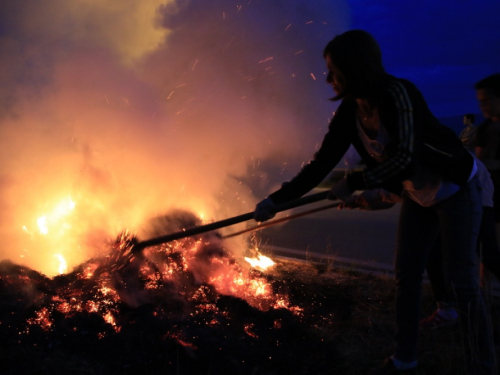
<point>487,249</point>
<point>456,220</point>
<point>488,242</point>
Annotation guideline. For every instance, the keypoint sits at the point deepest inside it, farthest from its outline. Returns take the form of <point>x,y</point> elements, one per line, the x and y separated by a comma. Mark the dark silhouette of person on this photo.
<point>407,152</point>
<point>468,132</point>
<point>487,137</point>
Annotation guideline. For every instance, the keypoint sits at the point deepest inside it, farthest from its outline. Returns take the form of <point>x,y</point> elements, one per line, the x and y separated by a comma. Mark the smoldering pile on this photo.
<point>165,311</point>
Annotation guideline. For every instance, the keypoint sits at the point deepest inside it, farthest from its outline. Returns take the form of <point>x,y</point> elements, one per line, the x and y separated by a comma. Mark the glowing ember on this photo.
<point>42,319</point>
<point>261,262</point>
<point>175,291</point>
<point>110,319</point>
<point>167,271</point>
<point>248,330</point>
<point>184,297</point>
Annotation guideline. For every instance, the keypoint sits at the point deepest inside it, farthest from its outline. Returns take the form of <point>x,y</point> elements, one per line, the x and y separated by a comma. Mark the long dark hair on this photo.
<point>358,57</point>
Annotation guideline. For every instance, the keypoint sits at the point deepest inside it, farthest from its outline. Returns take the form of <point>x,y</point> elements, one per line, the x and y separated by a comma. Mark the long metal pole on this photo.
<point>227,222</point>
<point>283,219</point>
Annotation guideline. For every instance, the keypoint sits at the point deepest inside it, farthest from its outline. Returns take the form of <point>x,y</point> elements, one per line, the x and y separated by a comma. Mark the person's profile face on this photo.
<point>489,104</point>
<point>335,77</point>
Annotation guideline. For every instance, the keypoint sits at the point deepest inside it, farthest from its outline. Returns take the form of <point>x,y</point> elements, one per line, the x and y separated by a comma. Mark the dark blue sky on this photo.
<point>444,47</point>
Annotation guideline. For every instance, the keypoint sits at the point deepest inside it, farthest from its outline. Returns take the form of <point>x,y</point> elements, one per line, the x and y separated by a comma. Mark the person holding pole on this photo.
<point>409,153</point>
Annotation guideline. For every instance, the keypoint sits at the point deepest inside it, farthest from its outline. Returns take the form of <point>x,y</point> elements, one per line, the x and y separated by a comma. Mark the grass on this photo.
<point>363,335</point>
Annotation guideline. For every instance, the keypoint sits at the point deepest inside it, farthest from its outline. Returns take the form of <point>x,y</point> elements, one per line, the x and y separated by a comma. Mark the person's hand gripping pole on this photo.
<point>265,210</point>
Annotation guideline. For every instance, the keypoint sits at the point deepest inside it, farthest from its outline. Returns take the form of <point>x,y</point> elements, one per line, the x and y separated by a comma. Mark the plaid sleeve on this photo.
<point>403,147</point>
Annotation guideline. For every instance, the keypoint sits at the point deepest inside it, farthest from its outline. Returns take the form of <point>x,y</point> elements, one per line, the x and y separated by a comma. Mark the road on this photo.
<point>364,240</point>
<point>364,236</point>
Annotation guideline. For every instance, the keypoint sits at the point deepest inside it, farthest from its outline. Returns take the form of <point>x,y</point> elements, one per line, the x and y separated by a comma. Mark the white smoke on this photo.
<point>132,108</point>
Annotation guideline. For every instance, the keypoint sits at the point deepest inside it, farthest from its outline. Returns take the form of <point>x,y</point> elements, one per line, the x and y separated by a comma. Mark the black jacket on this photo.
<point>416,136</point>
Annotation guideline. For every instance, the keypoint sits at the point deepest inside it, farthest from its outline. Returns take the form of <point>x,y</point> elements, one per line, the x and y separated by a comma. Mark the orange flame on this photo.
<point>55,219</point>
<point>261,262</point>
<point>63,266</point>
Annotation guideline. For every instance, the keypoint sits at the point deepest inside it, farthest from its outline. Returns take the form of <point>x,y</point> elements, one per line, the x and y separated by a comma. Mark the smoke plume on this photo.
<point>114,112</point>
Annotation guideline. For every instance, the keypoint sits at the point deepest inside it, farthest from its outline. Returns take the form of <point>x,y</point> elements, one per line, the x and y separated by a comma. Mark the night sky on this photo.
<point>444,47</point>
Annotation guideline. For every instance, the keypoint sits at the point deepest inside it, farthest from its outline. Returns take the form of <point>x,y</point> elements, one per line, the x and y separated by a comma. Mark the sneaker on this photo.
<point>388,368</point>
<point>436,320</point>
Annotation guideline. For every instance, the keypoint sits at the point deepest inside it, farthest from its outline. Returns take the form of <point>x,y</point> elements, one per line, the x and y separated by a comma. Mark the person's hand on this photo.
<point>264,210</point>
<point>371,200</point>
<point>368,198</point>
<point>350,203</point>
<point>340,191</point>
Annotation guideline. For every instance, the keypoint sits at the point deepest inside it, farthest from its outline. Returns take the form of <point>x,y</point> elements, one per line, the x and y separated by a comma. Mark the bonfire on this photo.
<point>189,306</point>
<point>184,307</point>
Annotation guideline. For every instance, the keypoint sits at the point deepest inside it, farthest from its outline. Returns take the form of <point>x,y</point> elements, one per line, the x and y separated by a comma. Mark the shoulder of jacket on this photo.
<point>395,85</point>
<point>345,109</point>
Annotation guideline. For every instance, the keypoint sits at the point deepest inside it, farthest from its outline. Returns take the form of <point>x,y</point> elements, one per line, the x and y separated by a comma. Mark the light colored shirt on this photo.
<point>425,187</point>
<point>467,137</point>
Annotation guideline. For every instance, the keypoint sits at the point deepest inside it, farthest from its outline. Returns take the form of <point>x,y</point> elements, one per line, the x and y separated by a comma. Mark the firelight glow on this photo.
<point>63,267</point>
<point>42,225</point>
<point>54,229</point>
<point>260,261</point>
<point>62,209</point>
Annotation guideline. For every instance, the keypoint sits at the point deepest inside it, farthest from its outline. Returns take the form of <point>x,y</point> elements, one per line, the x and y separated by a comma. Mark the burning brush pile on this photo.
<point>184,307</point>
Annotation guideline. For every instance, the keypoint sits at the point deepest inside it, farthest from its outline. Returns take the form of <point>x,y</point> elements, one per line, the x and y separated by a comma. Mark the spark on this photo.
<point>266,60</point>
